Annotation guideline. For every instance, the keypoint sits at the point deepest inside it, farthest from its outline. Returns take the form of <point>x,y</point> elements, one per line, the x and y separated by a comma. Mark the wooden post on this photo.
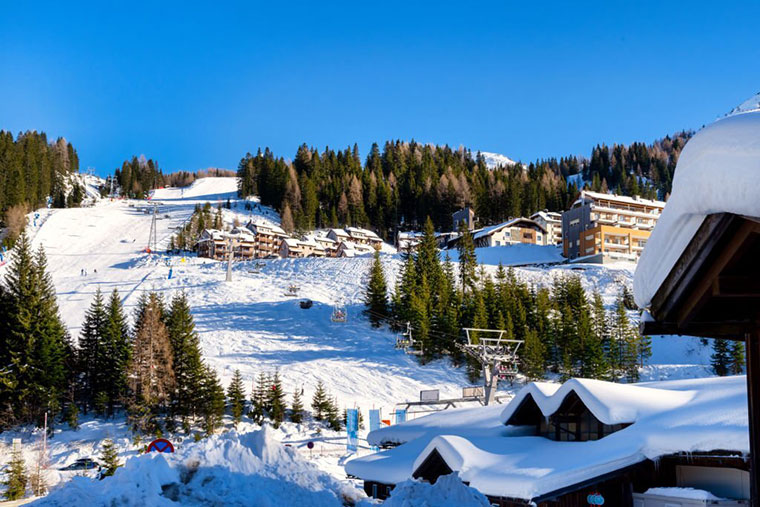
<point>752,345</point>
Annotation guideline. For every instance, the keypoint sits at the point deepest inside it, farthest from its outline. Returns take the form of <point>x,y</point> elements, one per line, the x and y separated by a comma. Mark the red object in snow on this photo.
<point>161,445</point>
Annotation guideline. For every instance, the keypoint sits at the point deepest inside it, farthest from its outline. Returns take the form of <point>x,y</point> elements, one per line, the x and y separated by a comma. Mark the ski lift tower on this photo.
<point>496,354</point>
<point>152,237</point>
<point>232,244</point>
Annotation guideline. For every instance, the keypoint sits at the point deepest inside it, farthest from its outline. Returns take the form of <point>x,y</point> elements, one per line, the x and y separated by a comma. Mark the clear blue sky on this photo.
<point>195,86</point>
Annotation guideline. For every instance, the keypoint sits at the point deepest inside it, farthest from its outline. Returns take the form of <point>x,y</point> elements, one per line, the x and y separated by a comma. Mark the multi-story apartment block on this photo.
<point>608,227</point>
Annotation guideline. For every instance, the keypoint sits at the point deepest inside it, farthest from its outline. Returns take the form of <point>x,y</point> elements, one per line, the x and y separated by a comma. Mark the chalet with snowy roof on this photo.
<point>291,247</point>
<point>511,232</point>
<point>361,236</point>
<point>268,238</point>
<point>601,227</point>
<point>555,445</point>
<point>699,275</point>
<point>338,235</point>
<point>552,222</point>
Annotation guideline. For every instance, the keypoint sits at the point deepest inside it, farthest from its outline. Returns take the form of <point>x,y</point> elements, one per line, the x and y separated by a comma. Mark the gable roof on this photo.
<point>610,402</point>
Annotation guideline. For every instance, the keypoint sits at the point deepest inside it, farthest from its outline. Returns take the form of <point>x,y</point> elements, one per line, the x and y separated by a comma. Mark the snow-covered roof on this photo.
<point>623,199</point>
<point>611,403</point>
<point>292,243</point>
<point>492,229</point>
<point>212,234</point>
<point>339,233</point>
<point>667,417</point>
<point>549,216</point>
<point>358,231</point>
<point>718,171</point>
<point>265,227</point>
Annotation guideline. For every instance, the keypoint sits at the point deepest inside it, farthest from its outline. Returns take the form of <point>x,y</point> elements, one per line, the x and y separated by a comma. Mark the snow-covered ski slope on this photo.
<point>251,325</point>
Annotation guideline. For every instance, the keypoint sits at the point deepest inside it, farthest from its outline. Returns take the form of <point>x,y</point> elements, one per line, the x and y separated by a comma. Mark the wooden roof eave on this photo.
<point>698,276</point>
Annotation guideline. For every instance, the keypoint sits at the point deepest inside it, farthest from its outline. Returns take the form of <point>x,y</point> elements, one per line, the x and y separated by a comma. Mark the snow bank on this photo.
<point>448,490</point>
<point>718,171</point>
<point>231,469</point>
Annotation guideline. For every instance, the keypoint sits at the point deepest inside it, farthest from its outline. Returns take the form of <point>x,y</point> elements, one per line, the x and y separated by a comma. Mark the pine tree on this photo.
<point>117,346</point>
<point>92,355</point>
<point>468,261</point>
<point>320,402</point>
<point>376,296</point>
<point>71,416</point>
<point>286,220</point>
<point>109,458</point>
<point>737,358</point>
<point>34,345</point>
<point>151,373</point>
<point>296,409</point>
<point>276,400</point>
<point>212,401</point>
<point>187,364</point>
<point>534,357</point>
<point>15,477</point>
<point>721,357</point>
<point>258,399</point>
<point>333,415</point>
<point>236,397</point>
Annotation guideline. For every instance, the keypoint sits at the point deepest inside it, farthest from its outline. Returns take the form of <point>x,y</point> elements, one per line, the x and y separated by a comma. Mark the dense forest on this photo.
<point>567,331</point>
<point>31,170</point>
<point>398,187</point>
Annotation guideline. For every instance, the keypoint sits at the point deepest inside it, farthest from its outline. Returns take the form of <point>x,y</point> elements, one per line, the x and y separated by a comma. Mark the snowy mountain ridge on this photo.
<point>494,160</point>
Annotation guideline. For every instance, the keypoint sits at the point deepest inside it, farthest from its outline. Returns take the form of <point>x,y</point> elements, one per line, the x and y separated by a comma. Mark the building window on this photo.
<point>575,221</point>
<point>374,491</point>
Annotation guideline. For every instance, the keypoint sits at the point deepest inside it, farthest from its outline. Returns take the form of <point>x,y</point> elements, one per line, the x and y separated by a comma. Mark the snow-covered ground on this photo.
<point>251,325</point>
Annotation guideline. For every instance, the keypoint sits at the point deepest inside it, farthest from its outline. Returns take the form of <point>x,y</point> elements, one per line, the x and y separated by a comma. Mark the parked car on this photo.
<point>81,464</point>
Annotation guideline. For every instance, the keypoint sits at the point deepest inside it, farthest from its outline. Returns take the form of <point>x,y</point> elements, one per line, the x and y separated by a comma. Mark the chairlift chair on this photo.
<point>339,314</point>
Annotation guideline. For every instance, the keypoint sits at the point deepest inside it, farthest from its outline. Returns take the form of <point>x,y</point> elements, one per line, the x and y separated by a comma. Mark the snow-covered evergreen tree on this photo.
<point>236,397</point>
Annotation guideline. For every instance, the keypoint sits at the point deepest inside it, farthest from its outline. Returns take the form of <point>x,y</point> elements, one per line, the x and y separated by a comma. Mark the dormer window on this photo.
<point>572,422</point>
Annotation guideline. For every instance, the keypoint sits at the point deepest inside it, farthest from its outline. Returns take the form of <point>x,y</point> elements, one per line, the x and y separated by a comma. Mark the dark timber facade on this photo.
<point>713,291</point>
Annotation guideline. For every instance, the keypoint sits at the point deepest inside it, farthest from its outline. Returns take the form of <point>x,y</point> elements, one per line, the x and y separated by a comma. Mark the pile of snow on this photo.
<point>690,493</point>
<point>230,469</point>
<point>728,152</point>
<point>494,160</point>
<point>448,490</point>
